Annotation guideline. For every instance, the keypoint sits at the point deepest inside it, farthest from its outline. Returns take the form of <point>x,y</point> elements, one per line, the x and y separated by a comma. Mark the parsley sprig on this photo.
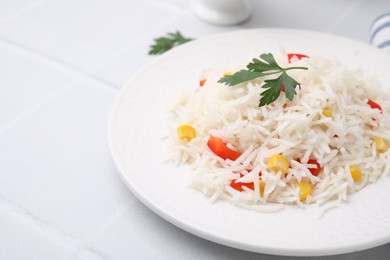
<point>168,42</point>
<point>266,66</point>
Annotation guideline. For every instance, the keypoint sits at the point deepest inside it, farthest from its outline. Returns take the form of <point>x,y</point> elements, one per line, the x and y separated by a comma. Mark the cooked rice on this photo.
<point>298,130</point>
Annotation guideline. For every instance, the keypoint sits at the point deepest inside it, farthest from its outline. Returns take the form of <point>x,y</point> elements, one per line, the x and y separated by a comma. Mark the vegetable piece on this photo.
<point>314,171</point>
<point>355,173</point>
<point>262,187</point>
<point>381,145</point>
<point>201,83</point>
<point>264,67</point>
<point>292,56</point>
<point>277,163</point>
<point>168,42</point>
<point>374,105</point>
<point>220,148</point>
<point>186,132</point>
<point>227,73</point>
<point>327,111</point>
<point>304,190</point>
<point>238,185</point>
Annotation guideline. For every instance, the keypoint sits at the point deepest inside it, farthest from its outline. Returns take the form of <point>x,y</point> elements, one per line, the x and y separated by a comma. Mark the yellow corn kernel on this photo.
<point>327,111</point>
<point>304,190</point>
<point>278,162</point>
<point>381,145</point>
<point>227,73</point>
<point>262,187</point>
<point>355,173</point>
<point>186,132</point>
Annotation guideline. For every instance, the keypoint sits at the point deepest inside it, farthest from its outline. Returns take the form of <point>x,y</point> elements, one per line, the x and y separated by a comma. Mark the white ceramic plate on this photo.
<point>140,113</point>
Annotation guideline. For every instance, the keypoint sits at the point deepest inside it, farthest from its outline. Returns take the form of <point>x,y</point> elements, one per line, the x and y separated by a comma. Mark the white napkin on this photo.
<point>380,32</point>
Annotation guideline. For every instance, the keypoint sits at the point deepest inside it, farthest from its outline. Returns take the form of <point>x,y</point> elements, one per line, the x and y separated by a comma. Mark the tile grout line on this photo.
<point>8,206</point>
<point>79,76</point>
<point>30,110</point>
<point>87,73</point>
<point>125,50</point>
<point>93,251</point>
<point>78,73</point>
<point>70,68</point>
<point>52,231</point>
<point>112,218</point>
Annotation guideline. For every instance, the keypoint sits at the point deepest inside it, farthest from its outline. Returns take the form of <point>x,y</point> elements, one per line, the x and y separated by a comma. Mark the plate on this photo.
<point>139,117</point>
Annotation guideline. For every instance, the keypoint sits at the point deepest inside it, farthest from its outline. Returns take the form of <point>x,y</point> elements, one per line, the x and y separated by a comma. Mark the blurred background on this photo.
<point>62,64</point>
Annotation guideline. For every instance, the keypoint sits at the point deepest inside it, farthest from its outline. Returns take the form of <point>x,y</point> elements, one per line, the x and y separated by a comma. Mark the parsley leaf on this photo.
<point>164,44</point>
<point>269,64</point>
<point>289,85</point>
<point>272,92</point>
<point>264,67</point>
<point>240,76</point>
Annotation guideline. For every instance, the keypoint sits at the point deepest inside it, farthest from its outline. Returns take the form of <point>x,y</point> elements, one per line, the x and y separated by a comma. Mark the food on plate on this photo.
<point>292,129</point>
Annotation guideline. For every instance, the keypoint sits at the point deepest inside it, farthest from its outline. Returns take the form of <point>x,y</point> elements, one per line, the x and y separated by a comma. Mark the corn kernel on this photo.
<point>355,173</point>
<point>327,111</point>
<point>227,73</point>
<point>381,145</point>
<point>186,132</point>
<point>278,162</point>
<point>262,187</point>
<point>304,190</point>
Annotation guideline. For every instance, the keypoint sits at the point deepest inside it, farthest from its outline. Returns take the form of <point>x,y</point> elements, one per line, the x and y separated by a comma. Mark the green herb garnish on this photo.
<point>264,67</point>
<point>164,44</point>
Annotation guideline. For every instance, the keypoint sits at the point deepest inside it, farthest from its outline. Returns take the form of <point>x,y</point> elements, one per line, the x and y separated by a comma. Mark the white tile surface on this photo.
<point>10,9</point>
<point>59,158</point>
<point>121,68</point>
<point>60,197</point>
<point>83,33</point>
<point>121,239</point>
<point>178,3</point>
<point>87,254</point>
<point>22,238</point>
<point>26,80</point>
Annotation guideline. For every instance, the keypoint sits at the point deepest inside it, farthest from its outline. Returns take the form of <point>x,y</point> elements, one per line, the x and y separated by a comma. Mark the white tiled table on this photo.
<point>62,63</point>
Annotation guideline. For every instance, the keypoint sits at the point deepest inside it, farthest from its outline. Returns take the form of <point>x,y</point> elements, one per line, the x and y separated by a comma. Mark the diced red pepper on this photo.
<point>374,105</point>
<point>220,148</point>
<point>290,56</point>
<point>201,83</point>
<point>313,171</point>
<point>238,185</point>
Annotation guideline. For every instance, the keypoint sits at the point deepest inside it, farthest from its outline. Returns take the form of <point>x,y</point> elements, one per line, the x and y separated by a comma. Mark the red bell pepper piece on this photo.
<point>313,171</point>
<point>374,105</point>
<point>201,83</point>
<point>238,185</point>
<point>220,148</point>
<point>290,56</point>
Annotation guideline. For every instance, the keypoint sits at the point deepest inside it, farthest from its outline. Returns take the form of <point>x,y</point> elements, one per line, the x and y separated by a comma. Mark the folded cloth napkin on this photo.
<point>380,32</point>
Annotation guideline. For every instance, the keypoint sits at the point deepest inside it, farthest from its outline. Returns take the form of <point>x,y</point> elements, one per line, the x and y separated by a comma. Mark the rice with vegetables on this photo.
<point>329,141</point>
